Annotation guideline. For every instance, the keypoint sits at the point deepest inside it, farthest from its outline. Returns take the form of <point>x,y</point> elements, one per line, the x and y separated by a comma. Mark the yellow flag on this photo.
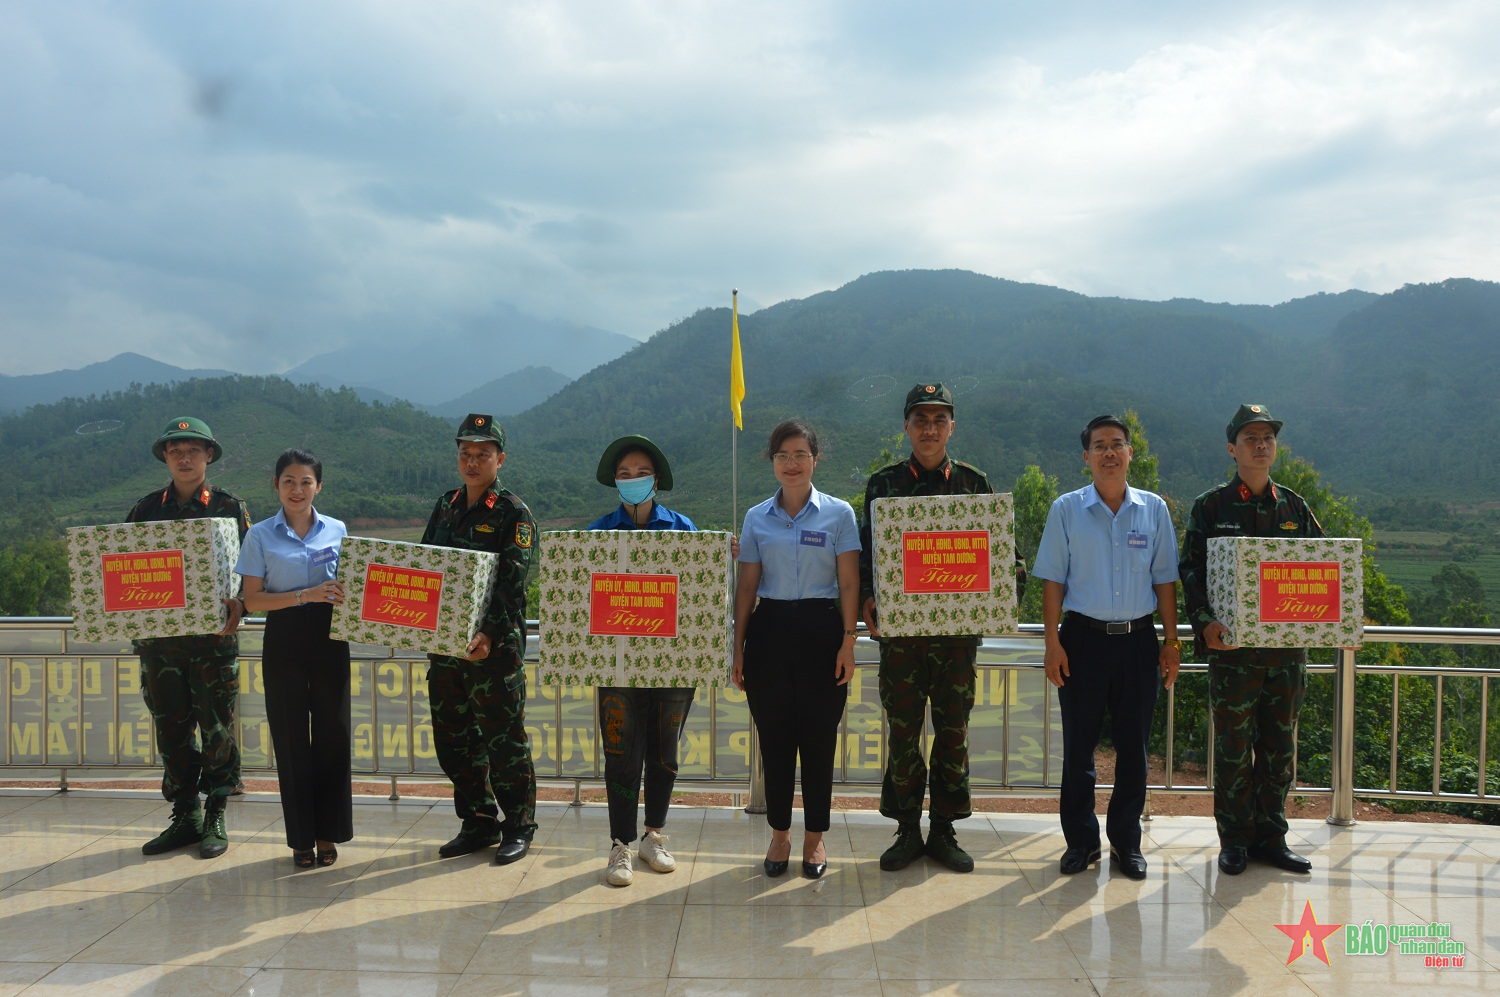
<point>736,369</point>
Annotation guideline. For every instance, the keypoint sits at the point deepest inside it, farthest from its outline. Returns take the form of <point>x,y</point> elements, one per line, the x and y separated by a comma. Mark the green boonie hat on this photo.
<point>927,394</point>
<point>481,429</point>
<point>611,459</point>
<point>1248,414</point>
<point>185,427</point>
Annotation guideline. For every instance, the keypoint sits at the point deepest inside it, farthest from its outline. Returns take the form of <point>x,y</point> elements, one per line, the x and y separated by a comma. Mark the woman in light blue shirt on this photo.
<point>794,655</point>
<point>289,563</point>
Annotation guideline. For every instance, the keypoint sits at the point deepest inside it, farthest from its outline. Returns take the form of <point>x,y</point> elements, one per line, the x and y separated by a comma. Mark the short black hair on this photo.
<point>788,428</point>
<point>1087,436</point>
<point>295,456</point>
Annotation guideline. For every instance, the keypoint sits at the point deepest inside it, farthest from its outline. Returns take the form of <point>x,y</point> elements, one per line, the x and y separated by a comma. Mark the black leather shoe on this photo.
<point>1281,858</point>
<point>512,848</point>
<point>1131,863</point>
<point>774,869</point>
<point>1232,860</point>
<point>477,833</point>
<point>814,870</point>
<point>1076,860</point>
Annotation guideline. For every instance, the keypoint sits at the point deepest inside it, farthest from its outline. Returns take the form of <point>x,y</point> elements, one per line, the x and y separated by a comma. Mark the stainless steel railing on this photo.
<point>57,691</point>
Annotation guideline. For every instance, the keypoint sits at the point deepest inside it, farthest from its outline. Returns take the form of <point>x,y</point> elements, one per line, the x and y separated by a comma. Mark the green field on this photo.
<point>1410,558</point>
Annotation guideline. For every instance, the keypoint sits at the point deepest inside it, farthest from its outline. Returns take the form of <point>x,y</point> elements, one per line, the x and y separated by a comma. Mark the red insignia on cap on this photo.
<point>183,425</point>
<point>930,388</point>
<point>1255,408</point>
<point>479,420</point>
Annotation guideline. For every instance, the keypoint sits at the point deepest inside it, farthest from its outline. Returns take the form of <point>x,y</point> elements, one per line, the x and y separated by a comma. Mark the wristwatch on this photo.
<point>1173,642</point>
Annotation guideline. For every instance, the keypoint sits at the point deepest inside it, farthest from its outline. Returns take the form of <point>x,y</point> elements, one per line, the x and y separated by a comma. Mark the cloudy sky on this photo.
<point>247,184</point>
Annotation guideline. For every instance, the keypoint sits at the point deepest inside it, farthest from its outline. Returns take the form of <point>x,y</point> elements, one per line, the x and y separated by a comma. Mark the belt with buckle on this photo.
<point>1113,626</point>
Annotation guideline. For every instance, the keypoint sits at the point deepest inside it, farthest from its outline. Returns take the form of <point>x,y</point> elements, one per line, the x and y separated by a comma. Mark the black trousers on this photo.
<point>790,652</point>
<point>307,708</point>
<point>1118,673</point>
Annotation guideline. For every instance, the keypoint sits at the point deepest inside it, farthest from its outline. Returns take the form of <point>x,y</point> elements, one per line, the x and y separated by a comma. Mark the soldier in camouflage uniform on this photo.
<point>479,701</point>
<point>1255,693</point>
<point>190,684</point>
<point>916,671</point>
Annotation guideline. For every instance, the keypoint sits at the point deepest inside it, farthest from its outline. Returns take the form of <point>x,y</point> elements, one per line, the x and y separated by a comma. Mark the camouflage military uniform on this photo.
<point>1255,693</point>
<point>192,683</point>
<point>478,707</point>
<point>917,670</point>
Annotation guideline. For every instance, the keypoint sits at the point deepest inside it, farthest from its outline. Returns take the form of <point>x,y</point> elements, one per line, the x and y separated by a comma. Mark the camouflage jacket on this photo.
<point>904,478</point>
<point>1231,510</point>
<point>500,523</point>
<point>209,503</point>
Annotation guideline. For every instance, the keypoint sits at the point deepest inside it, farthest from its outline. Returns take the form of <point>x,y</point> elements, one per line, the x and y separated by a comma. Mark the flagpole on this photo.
<point>734,432</point>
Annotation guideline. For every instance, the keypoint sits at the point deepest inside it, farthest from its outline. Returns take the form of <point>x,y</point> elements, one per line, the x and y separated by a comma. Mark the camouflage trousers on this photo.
<point>479,731</point>
<point>191,685</point>
<point>916,672</point>
<point>1255,697</point>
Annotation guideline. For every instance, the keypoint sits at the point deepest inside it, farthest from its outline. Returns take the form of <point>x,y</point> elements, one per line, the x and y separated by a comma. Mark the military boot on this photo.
<point>215,838</point>
<point>479,831</point>
<point>907,846</point>
<point>186,829</point>
<point>942,844</point>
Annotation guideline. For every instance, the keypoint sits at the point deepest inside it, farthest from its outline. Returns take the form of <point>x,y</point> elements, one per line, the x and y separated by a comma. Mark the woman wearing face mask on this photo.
<point>794,655</point>
<point>639,728</point>
<point>289,563</point>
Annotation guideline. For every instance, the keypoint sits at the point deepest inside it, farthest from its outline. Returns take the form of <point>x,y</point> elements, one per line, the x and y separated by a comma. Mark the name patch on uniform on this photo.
<point>1136,540</point>
<point>814,538</point>
<point>325,555</point>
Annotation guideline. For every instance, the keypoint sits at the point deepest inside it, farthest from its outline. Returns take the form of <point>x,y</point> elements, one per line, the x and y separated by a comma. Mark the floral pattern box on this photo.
<point>944,565</point>
<point>412,596</point>
<point>646,608</point>
<point>1288,592</point>
<point>142,580</point>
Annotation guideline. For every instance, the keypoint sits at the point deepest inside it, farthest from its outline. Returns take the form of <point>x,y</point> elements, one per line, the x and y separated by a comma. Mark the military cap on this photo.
<point>481,429</point>
<point>185,427</point>
<point>1248,414</point>
<point>927,394</point>
<point>611,459</point>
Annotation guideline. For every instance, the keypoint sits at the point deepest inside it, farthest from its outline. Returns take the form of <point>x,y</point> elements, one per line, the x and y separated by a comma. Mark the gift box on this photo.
<point>163,579</point>
<point>641,608</point>
<point>1287,592</point>
<point>412,596</point>
<point>944,565</point>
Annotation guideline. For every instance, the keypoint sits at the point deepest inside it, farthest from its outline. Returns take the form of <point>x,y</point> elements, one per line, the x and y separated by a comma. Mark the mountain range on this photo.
<point>1391,396</point>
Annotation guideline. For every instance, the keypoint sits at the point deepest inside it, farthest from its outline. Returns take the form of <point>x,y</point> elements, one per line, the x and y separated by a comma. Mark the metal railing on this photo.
<point>58,691</point>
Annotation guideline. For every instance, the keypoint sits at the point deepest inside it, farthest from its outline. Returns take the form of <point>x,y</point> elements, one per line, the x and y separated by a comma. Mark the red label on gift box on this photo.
<point>630,605</point>
<point>405,597</point>
<point>1300,592</point>
<point>147,579</point>
<point>946,561</point>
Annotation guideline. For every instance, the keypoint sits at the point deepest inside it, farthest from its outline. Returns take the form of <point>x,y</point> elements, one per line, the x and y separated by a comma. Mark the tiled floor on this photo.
<point>81,910</point>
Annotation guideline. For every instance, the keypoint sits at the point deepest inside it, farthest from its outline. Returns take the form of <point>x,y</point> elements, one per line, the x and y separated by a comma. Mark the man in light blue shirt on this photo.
<point>1108,559</point>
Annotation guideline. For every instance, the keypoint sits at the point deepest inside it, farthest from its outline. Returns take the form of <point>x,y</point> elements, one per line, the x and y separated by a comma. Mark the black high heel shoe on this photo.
<point>777,868</point>
<point>814,870</point>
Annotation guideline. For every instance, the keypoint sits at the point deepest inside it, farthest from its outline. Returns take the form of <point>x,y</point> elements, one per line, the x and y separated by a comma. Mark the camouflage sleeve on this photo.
<point>242,518</point>
<point>1193,567</point>
<point>867,547</point>
<point>507,610</point>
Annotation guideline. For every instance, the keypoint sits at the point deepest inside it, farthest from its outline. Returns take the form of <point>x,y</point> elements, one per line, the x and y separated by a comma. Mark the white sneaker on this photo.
<point>654,852</point>
<point>620,870</point>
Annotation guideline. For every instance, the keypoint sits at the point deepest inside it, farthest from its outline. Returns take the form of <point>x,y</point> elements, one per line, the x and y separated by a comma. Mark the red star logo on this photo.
<point>1308,933</point>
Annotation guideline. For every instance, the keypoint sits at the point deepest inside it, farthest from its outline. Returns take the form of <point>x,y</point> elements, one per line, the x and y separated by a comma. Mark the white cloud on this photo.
<point>287,176</point>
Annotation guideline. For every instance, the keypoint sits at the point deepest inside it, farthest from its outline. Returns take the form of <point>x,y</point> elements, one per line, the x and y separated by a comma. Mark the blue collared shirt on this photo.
<point>1107,561</point>
<point>661,519</point>
<point>798,555</point>
<point>285,562</point>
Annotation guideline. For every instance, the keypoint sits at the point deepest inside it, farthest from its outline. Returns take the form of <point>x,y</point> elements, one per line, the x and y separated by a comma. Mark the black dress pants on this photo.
<point>307,708</point>
<point>791,648</point>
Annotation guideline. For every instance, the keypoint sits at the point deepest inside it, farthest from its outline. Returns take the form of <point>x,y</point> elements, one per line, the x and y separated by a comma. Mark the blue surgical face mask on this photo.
<point>634,491</point>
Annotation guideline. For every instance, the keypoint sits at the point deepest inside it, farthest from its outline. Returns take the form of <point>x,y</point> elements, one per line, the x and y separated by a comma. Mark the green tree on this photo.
<point>1034,494</point>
